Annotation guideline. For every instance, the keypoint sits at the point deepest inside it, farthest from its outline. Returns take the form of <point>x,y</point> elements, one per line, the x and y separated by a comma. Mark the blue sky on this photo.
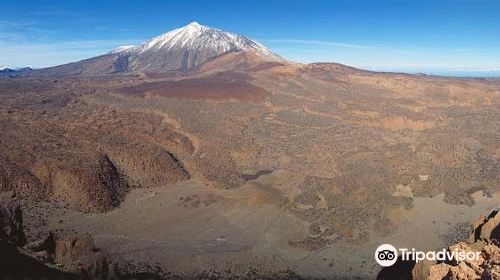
<point>449,37</point>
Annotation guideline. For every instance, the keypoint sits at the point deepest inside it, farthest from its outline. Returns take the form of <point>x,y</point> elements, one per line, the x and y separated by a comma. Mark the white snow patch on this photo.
<point>195,36</point>
<point>122,49</point>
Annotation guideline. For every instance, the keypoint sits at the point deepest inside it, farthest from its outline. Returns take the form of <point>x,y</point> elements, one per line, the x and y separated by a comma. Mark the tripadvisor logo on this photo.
<point>387,255</point>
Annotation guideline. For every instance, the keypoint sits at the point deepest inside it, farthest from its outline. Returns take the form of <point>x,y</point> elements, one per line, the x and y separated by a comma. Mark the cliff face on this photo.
<point>11,221</point>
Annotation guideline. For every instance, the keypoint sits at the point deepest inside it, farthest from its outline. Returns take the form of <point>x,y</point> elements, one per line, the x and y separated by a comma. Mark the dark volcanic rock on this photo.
<point>11,222</point>
<point>15,265</point>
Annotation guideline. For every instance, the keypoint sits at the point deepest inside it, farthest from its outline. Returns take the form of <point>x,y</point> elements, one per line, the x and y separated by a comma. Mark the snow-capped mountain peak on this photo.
<point>194,24</point>
<point>196,36</point>
<point>179,50</point>
<point>187,47</point>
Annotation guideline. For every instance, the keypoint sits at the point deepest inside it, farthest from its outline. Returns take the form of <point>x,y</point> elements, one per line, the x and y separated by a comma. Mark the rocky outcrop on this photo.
<point>484,238</point>
<point>76,254</point>
<point>148,166</point>
<point>11,221</point>
<point>13,263</point>
<point>75,257</point>
<point>487,228</point>
<point>74,250</point>
<point>86,183</point>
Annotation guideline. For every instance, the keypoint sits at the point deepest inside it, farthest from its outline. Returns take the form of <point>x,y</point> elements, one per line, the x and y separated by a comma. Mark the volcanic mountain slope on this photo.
<point>181,49</point>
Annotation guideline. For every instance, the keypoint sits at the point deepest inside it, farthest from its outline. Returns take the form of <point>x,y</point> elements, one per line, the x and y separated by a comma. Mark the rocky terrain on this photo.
<point>246,162</point>
<point>484,238</point>
<point>75,256</point>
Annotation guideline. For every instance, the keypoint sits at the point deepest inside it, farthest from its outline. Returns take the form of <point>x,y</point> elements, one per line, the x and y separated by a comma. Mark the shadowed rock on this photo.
<point>11,222</point>
<point>399,271</point>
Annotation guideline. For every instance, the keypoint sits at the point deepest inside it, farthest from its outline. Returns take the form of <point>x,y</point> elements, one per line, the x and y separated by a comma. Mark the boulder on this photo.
<point>490,229</point>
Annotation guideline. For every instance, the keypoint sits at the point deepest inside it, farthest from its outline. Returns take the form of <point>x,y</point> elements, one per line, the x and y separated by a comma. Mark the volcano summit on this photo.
<point>180,49</point>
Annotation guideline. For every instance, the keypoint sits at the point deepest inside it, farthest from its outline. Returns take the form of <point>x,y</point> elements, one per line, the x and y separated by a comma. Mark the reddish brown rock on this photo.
<point>491,253</point>
<point>73,250</point>
<point>490,229</point>
<point>422,269</point>
<point>93,184</point>
<point>487,267</point>
<point>462,272</point>
<point>476,228</point>
<point>438,271</point>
